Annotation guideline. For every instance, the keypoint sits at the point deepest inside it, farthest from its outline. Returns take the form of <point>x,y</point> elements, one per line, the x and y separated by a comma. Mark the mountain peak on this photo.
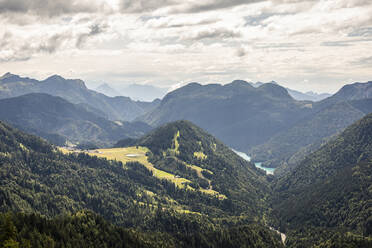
<point>7,75</point>
<point>12,78</point>
<point>54,78</point>
<point>239,82</point>
<point>355,91</point>
<point>275,90</point>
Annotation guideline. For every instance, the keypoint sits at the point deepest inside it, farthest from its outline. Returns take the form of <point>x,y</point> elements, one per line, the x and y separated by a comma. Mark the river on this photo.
<point>269,171</point>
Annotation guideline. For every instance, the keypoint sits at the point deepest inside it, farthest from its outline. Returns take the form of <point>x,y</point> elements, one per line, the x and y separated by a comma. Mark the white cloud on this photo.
<point>171,41</point>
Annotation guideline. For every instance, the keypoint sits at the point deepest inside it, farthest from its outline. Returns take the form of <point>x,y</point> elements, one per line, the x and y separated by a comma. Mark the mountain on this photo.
<point>330,190</point>
<point>308,96</point>
<point>139,92</point>
<point>37,179</point>
<point>237,113</point>
<point>300,96</point>
<point>107,90</point>
<point>329,117</point>
<point>188,151</point>
<point>48,116</point>
<point>309,133</point>
<point>355,91</point>
<point>74,91</point>
<point>143,92</point>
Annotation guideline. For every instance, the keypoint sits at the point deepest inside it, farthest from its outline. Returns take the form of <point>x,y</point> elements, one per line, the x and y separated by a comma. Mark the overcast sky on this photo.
<point>305,45</point>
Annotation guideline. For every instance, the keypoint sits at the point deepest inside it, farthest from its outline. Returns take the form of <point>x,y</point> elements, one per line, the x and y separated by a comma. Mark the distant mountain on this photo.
<point>59,120</point>
<point>257,84</point>
<point>283,148</point>
<point>74,91</point>
<point>355,91</point>
<point>330,191</point>
<point>237,113</point>
<point>143,92</point>
<point>329,117</point>
<point>308,96</point>
<point>300,96</point>
<point>107,90</point>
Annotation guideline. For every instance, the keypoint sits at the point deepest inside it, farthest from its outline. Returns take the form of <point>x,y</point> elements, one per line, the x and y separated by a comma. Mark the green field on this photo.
<point>138,154</point>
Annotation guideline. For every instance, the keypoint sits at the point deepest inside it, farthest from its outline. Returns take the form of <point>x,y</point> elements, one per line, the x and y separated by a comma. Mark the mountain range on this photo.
<point>62,122</point>
<point>329,193</point>
<point>171,178</point>
<point>75,91</point>
<point>237,113</point>
<point>329,117</point>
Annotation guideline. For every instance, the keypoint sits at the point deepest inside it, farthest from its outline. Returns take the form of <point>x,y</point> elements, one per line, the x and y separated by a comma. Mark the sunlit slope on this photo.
<point>187,152</point>
<point>137,154</point>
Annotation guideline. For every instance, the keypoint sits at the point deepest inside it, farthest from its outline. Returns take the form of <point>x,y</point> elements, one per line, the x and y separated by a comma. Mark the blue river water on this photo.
<point>269,171</point>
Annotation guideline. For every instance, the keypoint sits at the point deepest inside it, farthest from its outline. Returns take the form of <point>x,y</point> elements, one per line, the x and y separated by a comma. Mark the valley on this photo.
<point>269,171</point>
<point>172,183</point>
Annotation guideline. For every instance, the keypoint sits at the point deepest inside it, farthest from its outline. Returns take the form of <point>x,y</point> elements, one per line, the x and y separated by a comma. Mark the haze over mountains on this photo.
<point>134,91</point>
<point>75,91</point>
<point>49,116</point>
<point>307,96</point>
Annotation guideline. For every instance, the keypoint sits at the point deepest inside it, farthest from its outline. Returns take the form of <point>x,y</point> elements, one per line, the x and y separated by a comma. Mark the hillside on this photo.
<point>330,190</point>
<point>310,132</point>
<point>237,113</point>
<point>191,153</point>
<point>74,91</point>
<point>50,116</point>
<point>36,178</point>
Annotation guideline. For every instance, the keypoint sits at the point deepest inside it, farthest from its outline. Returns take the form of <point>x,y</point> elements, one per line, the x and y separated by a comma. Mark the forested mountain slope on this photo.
<point>286,148</point>
<point>222,170</point>
<point>36,178</point>
<point>330,191</point>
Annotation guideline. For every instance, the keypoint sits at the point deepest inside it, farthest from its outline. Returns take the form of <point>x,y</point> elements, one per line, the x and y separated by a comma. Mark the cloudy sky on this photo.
<point>305,45</point>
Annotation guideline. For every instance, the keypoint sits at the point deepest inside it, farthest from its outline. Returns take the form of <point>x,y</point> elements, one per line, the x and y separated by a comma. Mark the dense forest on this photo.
<point>54,199</point>
<point>38,179</point>
<point>329,195</point>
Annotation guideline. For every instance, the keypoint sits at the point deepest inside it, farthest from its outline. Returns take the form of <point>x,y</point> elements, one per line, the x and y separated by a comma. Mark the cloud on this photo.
<point>139,6</point>
<point>220,33</point>
<point>94,29</point>
<point>171,22</point>
<point>208,5</point>
<point>241,52</point>
<point>361,32</point>
<point>50,7</point>
<point>15,47</point>
<point>344,43</point>
<point>364,61</point>
<point>180,6</point>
